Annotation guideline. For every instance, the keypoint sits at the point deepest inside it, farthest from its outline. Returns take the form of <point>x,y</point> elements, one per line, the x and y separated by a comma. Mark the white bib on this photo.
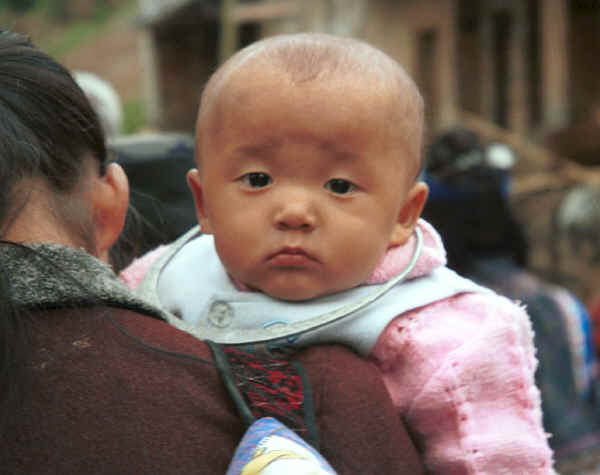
<point>191,283</point>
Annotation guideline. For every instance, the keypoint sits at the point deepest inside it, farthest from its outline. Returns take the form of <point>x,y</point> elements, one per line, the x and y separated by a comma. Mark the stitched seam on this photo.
<point>457,399</point>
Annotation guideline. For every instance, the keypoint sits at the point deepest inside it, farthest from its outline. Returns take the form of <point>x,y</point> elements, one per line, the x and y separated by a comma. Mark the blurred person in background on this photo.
<point>105,100</point>
<point>576,222</point>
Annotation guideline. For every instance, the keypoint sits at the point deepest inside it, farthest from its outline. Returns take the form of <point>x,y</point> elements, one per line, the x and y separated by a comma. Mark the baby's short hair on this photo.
<point>306,57</point>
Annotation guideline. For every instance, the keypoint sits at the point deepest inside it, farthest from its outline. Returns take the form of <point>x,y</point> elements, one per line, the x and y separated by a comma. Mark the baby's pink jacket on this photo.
<point>460,371</point>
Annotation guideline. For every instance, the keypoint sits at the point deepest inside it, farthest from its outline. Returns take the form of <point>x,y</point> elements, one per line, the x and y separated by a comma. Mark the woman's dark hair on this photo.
<point>48,131</point>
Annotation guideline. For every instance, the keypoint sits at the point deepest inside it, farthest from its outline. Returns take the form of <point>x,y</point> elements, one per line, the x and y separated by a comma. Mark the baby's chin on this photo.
<point>284,294</point>
<point>295,294</point>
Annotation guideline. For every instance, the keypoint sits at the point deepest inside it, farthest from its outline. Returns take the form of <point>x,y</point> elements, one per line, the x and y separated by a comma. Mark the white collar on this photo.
<point>191,284</point>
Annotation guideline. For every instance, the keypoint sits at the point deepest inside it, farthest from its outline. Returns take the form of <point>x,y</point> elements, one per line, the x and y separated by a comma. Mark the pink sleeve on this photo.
<point>134,273</point>
<point>461,372</point>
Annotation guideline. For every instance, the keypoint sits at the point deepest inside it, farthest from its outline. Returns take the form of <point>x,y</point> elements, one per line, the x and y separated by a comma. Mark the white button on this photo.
<point>220,314</point>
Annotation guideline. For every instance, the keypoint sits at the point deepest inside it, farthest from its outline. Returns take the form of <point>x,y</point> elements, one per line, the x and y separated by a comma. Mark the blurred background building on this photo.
<point>515,63</point>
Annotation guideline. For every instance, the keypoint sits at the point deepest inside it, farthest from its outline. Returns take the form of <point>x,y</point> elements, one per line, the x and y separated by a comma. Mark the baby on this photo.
<point>308,152</point>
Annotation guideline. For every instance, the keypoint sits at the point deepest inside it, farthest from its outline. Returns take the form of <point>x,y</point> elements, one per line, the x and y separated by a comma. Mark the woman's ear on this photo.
<point>110,201</point>
<point>409,214</point>
<point>194,182</point>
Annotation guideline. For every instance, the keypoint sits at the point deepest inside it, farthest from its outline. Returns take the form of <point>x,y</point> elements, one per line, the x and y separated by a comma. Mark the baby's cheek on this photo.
<point>357,265</point>
<point>232,257</point>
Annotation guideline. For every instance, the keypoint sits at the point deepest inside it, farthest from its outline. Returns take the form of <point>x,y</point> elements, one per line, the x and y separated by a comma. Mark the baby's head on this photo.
<point>308,149</point>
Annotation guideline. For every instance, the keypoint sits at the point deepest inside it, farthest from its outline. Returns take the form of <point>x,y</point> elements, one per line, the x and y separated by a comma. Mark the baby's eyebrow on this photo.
<point>262,150</point>
<point>346,156</point>
<point>340,153</point>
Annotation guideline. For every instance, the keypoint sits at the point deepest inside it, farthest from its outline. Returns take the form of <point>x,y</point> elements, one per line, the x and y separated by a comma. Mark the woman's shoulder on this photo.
<point>120,375</point>
<point>359,429</point>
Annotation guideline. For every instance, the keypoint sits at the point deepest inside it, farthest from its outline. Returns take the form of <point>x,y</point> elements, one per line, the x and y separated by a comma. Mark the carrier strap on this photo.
<point>265,387</point>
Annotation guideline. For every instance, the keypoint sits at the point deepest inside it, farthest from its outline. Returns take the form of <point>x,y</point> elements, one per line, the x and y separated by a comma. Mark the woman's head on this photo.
<point>52,153</point>
<point>55,184</point>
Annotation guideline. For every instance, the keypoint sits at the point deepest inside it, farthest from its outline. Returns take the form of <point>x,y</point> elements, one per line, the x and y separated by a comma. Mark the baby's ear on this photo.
<point>409,214</point>
<point>194,182</point>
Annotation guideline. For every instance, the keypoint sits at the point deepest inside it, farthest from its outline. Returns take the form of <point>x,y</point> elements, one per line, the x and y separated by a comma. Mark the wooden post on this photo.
<point>447,67</point>
<point>555,63</point>
<point>518,112</point>
<point>488,78</point>
<point>228,42</point>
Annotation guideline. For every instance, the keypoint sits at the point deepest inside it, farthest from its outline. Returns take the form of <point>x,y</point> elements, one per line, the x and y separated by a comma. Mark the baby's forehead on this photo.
<point>313,58</point>
<point>341,77</point>
<point>387,79</point>
<point>387,98</point>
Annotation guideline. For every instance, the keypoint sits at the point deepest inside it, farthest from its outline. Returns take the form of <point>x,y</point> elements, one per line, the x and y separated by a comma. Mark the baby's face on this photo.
<point>301,185</point>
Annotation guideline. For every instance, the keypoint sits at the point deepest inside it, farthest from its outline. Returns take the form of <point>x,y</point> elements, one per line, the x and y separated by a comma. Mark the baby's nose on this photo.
<point>296,215</point>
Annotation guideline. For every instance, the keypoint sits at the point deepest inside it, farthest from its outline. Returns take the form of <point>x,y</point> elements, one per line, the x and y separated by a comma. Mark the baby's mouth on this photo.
<point>291,257</point>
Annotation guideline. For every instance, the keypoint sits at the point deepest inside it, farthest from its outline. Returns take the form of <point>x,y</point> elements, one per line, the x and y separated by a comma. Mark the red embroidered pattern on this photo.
<point>270,387</point>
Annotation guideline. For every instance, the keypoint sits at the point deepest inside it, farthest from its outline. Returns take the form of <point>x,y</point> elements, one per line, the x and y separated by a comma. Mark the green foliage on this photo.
<point>60,11</point>
<point>76,33</point>
<point>134,116</point>
<point>73,36</point>
<point>17,6</point>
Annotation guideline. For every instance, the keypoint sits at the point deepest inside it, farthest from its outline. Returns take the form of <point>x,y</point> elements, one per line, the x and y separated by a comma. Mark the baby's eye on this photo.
<point>257,179</point>
<point>339,186</point>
